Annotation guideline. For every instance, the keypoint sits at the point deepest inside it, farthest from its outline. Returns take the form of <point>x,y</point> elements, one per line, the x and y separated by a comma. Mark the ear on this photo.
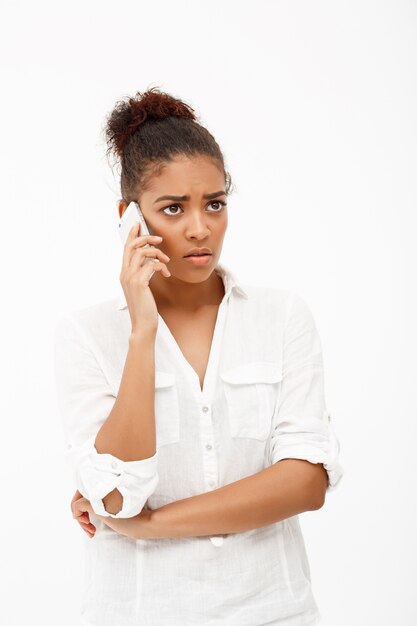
<point>122,206</point>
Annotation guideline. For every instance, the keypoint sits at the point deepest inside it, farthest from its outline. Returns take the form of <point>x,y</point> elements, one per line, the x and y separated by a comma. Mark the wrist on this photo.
<point>158,528</point>
<point>142,335</point>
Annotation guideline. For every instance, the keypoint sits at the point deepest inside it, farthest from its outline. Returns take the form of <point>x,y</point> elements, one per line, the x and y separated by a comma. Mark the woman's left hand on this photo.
<point>137,527</point>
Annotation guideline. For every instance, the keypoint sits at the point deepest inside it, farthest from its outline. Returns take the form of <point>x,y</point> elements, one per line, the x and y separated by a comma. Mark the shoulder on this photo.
<point>280,298</point>
<point>282,302</point>
<point>89,321</point>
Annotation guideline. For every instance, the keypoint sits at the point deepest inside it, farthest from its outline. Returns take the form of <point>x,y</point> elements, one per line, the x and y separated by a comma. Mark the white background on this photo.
<point>314,105</point>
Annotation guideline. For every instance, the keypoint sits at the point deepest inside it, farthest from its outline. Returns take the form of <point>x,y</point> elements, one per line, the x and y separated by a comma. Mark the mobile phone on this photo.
<point>130,217</point>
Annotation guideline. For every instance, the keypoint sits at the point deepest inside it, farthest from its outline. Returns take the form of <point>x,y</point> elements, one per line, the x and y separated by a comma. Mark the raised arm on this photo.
<point>129,431</point>
<point>111,445</point>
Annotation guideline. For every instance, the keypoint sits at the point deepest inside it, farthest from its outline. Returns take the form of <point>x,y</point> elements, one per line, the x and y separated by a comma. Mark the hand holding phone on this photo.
<point>140,247</point>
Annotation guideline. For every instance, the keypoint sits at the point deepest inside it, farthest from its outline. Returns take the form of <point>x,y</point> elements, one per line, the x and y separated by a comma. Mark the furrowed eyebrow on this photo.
<point>209,196</point>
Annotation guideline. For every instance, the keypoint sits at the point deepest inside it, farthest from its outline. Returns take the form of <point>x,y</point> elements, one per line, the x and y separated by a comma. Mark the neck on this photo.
<point>175,293</point>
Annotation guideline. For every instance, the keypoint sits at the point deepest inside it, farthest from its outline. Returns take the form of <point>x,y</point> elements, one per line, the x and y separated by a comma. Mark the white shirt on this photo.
<point>262,401</point>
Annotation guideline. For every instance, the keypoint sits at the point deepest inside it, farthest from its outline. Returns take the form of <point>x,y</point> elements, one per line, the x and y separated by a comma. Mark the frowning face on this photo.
<point>186,204</point>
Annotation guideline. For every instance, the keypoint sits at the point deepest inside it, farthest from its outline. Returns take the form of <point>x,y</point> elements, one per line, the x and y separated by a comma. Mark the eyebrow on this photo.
<point>209,196</point>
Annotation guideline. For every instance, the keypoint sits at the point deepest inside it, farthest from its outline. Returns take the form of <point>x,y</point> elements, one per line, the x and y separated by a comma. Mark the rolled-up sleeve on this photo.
<point>85,400</point>
<point>302,427</point>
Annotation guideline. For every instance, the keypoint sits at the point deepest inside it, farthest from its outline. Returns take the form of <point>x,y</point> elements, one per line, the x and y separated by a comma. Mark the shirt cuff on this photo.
<point>98,474</point>
<point>317,443</point>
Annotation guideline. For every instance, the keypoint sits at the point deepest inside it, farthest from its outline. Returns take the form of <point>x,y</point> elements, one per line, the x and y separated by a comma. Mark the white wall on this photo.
<point>314,105</point>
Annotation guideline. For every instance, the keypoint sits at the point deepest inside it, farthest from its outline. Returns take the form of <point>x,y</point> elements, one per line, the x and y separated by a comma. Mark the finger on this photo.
<point>149,251</point>
<point>82,517</point>
<point>82,506</point>
<point>135,237</point>
<point>153,254</point>
<point>89,527</point>
<point>134,232</point>
<point>145,240</point>
<point>90,532</point>
<point>142,245</point>
<point>149,269</point>
<point>76,508</point>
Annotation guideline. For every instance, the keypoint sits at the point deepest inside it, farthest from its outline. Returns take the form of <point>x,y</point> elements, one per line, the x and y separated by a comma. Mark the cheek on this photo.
<point>223,224</point>
<point>220,233</point>
<point>169,248</point>
<point>172,250</point>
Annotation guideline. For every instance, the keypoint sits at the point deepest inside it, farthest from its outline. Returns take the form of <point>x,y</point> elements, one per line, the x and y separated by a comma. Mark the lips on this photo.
<point>198,259</point>
<point>198,252</point>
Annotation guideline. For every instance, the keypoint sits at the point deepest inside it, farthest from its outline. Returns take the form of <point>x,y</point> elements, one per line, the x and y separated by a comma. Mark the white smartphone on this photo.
<point>131,216</point>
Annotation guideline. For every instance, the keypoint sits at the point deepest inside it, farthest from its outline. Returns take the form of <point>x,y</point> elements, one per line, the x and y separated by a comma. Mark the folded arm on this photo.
<point>287,488</point>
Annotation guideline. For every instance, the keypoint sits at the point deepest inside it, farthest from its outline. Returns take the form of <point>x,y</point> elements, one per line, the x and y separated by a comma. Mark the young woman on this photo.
<point>193,406</point>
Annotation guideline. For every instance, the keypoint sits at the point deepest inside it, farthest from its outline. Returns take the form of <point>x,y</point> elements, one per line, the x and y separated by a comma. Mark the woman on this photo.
<point>193,407</point>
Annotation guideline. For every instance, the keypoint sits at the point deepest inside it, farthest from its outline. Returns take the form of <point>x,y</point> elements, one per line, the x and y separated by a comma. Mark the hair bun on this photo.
<point>129,114</point>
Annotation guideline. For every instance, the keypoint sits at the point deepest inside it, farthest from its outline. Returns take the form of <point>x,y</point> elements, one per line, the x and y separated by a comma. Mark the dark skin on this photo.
<point>189,299</point>
<point>195,222</point>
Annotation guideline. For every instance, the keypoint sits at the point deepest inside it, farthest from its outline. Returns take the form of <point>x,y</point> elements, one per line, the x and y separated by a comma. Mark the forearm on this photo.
<point>129,431</point>
<point>276,493</point>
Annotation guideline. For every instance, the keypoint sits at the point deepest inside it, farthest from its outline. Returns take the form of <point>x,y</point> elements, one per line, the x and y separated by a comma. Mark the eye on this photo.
<point>221,206</point>
<point>170,207</point>
<point>221,203</point>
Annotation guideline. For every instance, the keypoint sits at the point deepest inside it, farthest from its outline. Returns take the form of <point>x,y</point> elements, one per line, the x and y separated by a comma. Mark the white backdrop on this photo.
<point>314,105</point>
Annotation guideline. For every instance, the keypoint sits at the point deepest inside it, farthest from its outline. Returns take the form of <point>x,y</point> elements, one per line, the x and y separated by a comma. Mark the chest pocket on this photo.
<point>167,414</point>
<point>251,392</point>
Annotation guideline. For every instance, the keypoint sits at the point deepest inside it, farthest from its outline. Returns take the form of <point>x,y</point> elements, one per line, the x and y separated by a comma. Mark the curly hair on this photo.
<point>146,131</point>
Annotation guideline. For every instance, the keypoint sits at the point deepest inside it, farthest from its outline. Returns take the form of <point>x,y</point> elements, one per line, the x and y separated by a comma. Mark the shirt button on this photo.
<point>216,541</point>
<point>208,446</point>
<point>114,464</point>
<point>212,483</point>
<point>205,409</point>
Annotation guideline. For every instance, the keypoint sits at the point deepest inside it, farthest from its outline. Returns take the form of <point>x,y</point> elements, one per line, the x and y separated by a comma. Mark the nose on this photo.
<point>196,228</point>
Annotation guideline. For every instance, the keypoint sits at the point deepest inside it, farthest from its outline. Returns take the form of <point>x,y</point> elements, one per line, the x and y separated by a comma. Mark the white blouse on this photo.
<point>262,401</point>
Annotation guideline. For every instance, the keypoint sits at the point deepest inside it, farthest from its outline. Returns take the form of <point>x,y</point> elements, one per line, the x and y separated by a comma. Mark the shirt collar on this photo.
<point>229,280</point>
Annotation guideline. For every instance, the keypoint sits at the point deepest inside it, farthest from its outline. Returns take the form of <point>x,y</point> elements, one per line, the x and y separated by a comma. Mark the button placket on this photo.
<point>210,462</point>
<point>207,434</point>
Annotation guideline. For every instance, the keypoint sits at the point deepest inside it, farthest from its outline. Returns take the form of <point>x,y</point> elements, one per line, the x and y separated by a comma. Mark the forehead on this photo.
<point>187,172</point>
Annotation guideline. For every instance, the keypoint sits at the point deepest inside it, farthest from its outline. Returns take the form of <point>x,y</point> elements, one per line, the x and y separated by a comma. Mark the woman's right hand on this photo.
<point>136,274</point>
<point>82,518</point>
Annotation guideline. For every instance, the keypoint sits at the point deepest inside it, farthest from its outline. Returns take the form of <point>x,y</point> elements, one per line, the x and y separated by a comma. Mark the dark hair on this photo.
<point>146,131</point>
